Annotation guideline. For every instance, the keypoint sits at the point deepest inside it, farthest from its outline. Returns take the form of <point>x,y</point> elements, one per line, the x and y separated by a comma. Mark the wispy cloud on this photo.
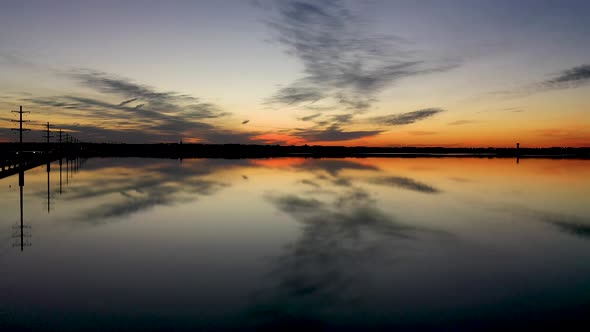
<point>333,133</point>
<point>310,117</point>
<point>296,94</point>
<point>572,77</point>
<point>341,60</point>
<point>332,128</point>
<point>569,78</point>
<point>111,84</point>
<point>514,109</point>
<point>145,115</point>
<point>169,101</point>
<point>16,59</point>
<point>406,118</point>
<point>421,132</point>
<point>461,122</point>
<point>341,118</point>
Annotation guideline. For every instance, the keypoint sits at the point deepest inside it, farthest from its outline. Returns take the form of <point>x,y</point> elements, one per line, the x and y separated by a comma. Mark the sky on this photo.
<point>377,72</point>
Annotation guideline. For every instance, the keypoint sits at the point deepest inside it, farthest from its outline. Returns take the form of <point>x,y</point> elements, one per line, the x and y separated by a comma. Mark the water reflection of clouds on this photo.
<point>345,237</point>
<point>405,183</point>
<point>565,223</point>
<point>333,166</point>
<point>577,228</point>
<point>151,196</point>
<point>331,170</point>
<point>310,183</point>
<point>129,186</point>
<point>121,187</point>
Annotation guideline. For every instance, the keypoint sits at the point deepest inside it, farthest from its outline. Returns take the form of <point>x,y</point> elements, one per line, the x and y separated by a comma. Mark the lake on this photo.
<point>296,244</point>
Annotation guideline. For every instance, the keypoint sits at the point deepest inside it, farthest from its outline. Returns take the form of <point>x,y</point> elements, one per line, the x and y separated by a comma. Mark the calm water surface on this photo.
<point>299,244</point>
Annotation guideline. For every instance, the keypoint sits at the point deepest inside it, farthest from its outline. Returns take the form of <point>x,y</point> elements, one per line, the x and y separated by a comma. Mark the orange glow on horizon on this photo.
<point>284,139</point>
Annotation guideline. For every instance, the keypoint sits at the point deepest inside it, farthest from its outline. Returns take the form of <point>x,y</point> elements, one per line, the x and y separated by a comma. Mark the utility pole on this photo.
<point>66,146</point>
<point>20,128</point>
<point>60,148</point>
<point>47,136</point>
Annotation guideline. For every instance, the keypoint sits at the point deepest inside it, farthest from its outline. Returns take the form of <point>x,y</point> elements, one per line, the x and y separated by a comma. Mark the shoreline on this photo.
<point>238,151</point>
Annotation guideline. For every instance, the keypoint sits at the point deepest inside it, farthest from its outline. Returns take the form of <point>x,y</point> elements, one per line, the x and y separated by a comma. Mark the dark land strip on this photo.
<point>235,151</point>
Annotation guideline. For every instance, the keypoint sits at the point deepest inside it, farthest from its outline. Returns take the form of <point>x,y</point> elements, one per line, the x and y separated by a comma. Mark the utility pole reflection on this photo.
<point>60,175</point>
<point>48,187</point>
<point>21,234</point>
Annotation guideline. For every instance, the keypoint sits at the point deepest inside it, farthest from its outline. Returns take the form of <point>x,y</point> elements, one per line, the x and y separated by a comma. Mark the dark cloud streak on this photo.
<point>125,102</point>
<point>572,77</point>
<point>333,133</point>
<point>406,118</point>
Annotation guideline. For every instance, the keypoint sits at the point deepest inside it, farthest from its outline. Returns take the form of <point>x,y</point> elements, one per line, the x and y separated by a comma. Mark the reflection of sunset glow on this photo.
<point>569,179</point>
<point>277,162</point>
<point>279,139</point>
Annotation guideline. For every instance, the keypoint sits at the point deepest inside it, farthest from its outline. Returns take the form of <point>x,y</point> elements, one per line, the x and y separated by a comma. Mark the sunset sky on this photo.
<point>375,72</point>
